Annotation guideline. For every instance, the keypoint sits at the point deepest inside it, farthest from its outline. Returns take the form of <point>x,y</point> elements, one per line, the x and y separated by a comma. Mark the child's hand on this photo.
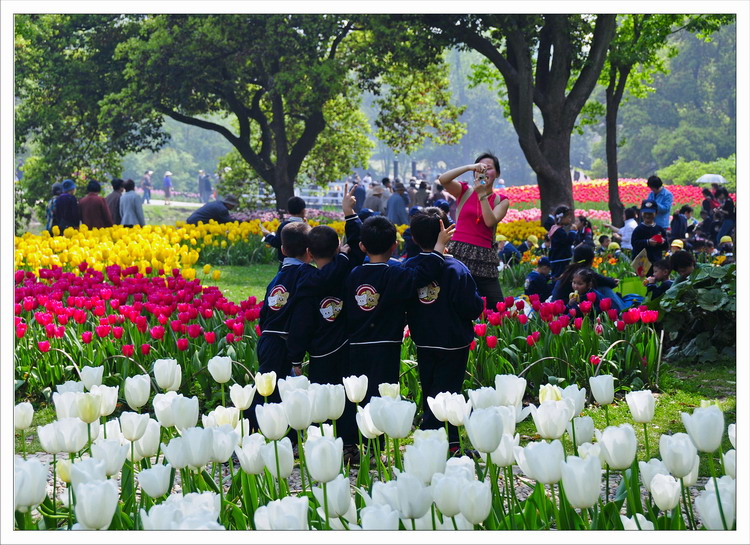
<point>573,296</point>
<point>344,249</point>
<point>444,237</point>
<point>349,200</point>
<point>264,230</point>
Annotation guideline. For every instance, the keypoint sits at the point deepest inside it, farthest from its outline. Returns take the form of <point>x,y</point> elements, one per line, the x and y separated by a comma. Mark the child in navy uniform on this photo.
<point>375,301</point>
<point>562,238</point>
<point>296,208</point>
<point>537,281</point>
<point>440,318</point>
<point>648,235</point>
<point>583,290</point>
<point>659,282</point>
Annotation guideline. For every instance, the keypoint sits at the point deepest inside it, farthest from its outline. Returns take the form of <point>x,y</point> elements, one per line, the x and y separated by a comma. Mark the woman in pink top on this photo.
<point>478,212</point>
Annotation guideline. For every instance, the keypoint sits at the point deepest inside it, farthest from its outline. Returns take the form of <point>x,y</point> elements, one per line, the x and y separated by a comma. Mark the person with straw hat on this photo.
<point>167,185</point>
<point>217,210</point>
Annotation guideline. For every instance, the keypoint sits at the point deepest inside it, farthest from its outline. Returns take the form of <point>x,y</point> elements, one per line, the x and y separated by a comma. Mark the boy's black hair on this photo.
<point>602,238</point>
<point>294,238</point>
<point>117,184</point>
<point>654,182</point>
<point>587,275</point>
<point>663,264</point>
<point>495,160</point>
<point>631,213</point>
<point>682,259</point>
<point>686,208</point>
<point>425,227</point>
<point>295,205</point>
<point>378,235</point>
<point>322,241</point>
<point>129,185</point>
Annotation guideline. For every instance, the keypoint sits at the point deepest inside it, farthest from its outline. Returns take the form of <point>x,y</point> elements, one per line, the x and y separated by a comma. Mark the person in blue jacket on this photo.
<point>663,199</point>
<point>537,281</point>
<point>441,319</point>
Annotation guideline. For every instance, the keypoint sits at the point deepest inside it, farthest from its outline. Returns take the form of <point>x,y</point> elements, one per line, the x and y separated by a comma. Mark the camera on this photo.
<point>482,177</point>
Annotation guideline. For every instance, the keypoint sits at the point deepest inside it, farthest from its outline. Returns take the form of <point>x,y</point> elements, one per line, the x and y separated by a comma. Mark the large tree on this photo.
<point>550,64</point>
<point>276,75</point>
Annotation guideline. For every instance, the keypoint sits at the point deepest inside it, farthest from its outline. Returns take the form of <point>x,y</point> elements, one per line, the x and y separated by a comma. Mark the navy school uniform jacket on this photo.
<point>318,324</point>
<point>376,295</point>
<point>658,289</point>
<point>537,283</point>
<point>641,234</point>
<point>282,294</point>
<point>561,249</point>
<point>441,313</point>
<point>274,239</point>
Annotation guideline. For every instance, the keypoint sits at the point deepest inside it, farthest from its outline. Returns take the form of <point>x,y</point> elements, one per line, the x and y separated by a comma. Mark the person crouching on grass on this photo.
<point>441,320</point>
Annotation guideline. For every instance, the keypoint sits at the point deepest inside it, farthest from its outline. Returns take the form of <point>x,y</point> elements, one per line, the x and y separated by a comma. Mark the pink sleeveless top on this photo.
<point>470,226</point>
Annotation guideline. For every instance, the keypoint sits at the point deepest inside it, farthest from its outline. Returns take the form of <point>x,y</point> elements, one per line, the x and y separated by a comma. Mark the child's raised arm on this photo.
<point>349,200</point>
<point>444,237</point>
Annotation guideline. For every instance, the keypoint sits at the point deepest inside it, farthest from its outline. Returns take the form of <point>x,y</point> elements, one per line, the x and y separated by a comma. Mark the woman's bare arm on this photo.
<point>448,179</point>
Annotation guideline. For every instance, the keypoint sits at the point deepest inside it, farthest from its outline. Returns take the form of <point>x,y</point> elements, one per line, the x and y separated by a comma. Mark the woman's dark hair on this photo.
<point>587,275</point>
<point>129,185</point>
<point>585,222</point>
<point>654,182</point>
<point>631,213</point>
<point>583,257</point>
<point>561,212</point>
<point>93,187</point>
<point>495,160</point>
<point>707,193</point>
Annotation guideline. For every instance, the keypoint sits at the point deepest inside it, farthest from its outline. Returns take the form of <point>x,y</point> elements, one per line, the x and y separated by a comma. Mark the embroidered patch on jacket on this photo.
<point>278,297</point>
<point>428,294</point>
<point>366,297</point>
<point>330,308</point>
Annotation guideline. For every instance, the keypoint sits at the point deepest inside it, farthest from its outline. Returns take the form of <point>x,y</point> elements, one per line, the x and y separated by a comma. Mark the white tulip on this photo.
<point>336,400</point>
<point>242,396</point>
<point>641,404</point>
<point>650,469</point>
<point>730,462</point>
<point>339,496</point>
<point>365,424</point>
<point>705,427</point>
<point>108,396</point>
<point>603,388</point>
<point>549,392</point>
<point>92,376</point>
<point>196,447</point>
<point>678,453</point>
<point>288,384</point>
<point>30,483</point>
<point>155,480</point>
<point>87,470</point>
<point>503,455</point>
<point>449,407</point>
<point>289,513</point>
<point>163,408</point>
<point>356,388</point>
<point>476,501</point>
<point>221,416</point>
<point>461,467</point>
<point>66,404</point>
<point>414,498</point>
<point>148,445</point>
<point>707,505</point>
<point>485,429</point>
<point>220,368</point>
<point>618,444</point>
<point>510,388</point>
<point>168,374</point>
<point>541,460</point>
<point>393,416</point>
<point>323,457</point>
<point>70,386</point>
<point>582,480</point>
<point>112,453</point>
<point>296,405</point>
<point>484,397</point>
<point>224,441</point>
<point>73,434</point>
<point>176,452</point>
<point>551,417</point>
<point>49,438</point>
<point>379,517</point>
<point>185,412</point>
<point>665,490</point>
<point>137,391</point>
<point>390,390</point>
<point>286,457</point>
<point>731,433</point>
<point>23,414</point>
<point>426,457</point>
<point>249,454</point>
<point>89,407</point>
<point>272,420</point>
<point>691,479</point>
<point>629,523</point>
<point>321,430</point>
<point>265,383</point>
<point>587,450</point>
<point>446,493</point>
<point>584,426</point>
<point>577,396</point>
<point>133,425</point>
<point>96,502</point>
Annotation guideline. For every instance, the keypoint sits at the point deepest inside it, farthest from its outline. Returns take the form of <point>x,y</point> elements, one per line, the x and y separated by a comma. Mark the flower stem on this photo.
<point>686,503</point>
<point>54,483</point>
<point>397,455</point>
<point>223,400</point>
<point>645,437</point>
<point>606,498</point>
<point>23,441</point>
<point>88,446</point>
<point>716,487</point>
<point>575,443</point>
<point>606,413</point>
<point>301,452</point>
<point>132,477</point>
<point>325,505</point>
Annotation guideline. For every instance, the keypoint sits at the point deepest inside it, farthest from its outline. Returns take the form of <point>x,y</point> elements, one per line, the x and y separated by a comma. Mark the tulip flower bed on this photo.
<point>154,467</point>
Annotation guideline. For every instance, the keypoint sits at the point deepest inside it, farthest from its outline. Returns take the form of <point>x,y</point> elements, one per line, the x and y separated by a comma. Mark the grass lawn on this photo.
<point>237,283</point>
<point>159,214</point>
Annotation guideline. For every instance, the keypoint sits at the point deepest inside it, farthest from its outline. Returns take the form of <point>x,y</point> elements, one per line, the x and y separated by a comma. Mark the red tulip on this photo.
<point>473,345</point>
<point>210,337</point>
<point>530,340</point>
<point>60,332</point>
<point>591,296</point>
<point>598,329</point>
<point>612,314</point>
<point>564,320</point>
<point>643,308</point>
<point>86,337</point>
<point>194,330</point>
<point>620,325</point>
<point>491,341</point>
<point>480,330</point>
<point>577,323</point>
<point>207,313</point>
<point>145,349</point>
<point>21,330</point>
<point>44,346</point>
<point>238,329</point>
<point>585,306</point>
<point>494,318</point>
<point>520,304</point>
<point>555,327</point>
<point>407,333</point>
<point>162,319</point>
<point>128,350</point>
<point>257,330</point>
<point>523,319</point>
<point>536,335</point>
<point>157,332</point>
<point>182,344</point>
<point>605,304</point>
<point>230,337</point>
<point>102,330</point>
<point>572,312</point>
<point>559,306</point>
<point>631,316</point>
<point>595,360</point>
<point>117,332</point>
<point>500,307</point>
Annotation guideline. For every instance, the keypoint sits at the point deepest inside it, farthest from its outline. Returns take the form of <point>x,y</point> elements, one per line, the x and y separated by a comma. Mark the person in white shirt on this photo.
<point>626,231</point>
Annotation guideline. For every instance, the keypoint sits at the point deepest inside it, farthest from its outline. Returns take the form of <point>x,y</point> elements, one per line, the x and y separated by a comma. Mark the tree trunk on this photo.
<point>614,93</point>
<point>283,190</point>
<point>553,178</point>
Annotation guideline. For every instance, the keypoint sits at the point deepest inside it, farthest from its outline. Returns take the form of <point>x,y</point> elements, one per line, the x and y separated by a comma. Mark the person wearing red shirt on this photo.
<point>93,208</point>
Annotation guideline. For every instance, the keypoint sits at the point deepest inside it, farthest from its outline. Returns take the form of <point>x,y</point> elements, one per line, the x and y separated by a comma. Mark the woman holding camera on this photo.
<point>478,212</point>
